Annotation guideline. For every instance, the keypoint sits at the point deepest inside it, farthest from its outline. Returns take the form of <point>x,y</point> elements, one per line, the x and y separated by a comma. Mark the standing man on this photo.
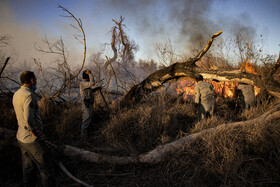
<point>205,98</point>
<point>87,101</point>
<point>248,95</point>
<point>30,132</point>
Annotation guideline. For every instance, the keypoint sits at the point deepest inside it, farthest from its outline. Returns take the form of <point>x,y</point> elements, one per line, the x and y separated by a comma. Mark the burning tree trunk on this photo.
<point>189,69</point>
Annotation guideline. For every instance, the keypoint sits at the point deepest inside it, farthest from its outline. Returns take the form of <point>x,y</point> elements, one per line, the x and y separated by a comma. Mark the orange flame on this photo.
<point>185,86</point>
<point>224,89</point>
<point>248,67</point>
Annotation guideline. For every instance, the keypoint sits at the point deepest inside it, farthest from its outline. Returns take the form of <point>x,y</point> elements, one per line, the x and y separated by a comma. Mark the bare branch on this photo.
<point>200,55</point>
<point>109,61</point>
<point>4,65</point>
<point>62,167</point>
<point>79,22</point>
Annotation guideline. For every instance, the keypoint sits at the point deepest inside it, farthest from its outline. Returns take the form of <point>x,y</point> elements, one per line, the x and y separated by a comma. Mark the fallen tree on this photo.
<point>189,69</point>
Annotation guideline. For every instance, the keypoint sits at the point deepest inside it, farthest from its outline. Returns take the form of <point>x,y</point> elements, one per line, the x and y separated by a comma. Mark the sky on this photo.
<point>183,22</point>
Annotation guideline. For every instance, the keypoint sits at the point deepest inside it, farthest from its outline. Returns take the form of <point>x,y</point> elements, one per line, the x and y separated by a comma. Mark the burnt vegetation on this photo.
<point>145,115</point>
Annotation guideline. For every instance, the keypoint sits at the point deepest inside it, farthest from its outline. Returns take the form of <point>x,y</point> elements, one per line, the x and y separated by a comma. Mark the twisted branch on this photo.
<point>66,83</point>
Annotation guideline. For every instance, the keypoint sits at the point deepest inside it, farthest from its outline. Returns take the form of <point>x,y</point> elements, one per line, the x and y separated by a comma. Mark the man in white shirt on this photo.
<point>30,131</point>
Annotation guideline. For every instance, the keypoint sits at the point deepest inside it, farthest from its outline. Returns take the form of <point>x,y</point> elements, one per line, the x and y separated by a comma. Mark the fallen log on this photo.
<point>158,154</point>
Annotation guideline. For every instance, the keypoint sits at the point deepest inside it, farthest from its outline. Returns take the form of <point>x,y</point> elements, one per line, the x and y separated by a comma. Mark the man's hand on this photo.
<point>88,71</point>
<point>36,133</point>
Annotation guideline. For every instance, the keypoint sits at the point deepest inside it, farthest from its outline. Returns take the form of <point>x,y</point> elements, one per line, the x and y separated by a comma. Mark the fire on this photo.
<point>248,67</point>
<point>185,87</point>
<point>225,89</point>
<point>257,90</point>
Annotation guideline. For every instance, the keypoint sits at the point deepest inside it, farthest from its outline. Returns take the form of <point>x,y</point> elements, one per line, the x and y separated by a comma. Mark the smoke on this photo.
<point>186,22</point>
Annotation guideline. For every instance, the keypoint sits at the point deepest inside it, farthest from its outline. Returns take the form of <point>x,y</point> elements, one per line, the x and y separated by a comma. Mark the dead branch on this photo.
<point>200,55</point>
<point>123,37</point>
<point>18,83</point>
<point>4,65</point>
<point>62,167</point>
<point>114,73</point>
<point>113,59</point>
<point>66,83</point>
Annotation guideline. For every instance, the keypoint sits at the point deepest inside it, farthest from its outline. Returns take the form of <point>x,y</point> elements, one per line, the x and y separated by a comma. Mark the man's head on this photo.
<point>199,78</point>
<point>28,77</point>
<point>85,75</point>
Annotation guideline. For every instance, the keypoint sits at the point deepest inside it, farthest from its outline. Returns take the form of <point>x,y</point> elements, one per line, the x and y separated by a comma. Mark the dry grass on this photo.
<point>236,156</point>
<point>243,156</point>
<point>140,129</point>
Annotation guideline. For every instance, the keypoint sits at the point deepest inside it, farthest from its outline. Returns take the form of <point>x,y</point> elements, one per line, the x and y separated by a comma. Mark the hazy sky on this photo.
<point>147,22</point>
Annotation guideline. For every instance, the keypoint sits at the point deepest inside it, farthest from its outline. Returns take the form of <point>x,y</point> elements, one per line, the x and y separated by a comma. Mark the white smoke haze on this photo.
<point>24,38</point>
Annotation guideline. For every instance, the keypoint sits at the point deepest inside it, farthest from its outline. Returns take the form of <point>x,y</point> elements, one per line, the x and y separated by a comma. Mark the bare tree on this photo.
<point>124,48</point>
<point>58,48</point>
